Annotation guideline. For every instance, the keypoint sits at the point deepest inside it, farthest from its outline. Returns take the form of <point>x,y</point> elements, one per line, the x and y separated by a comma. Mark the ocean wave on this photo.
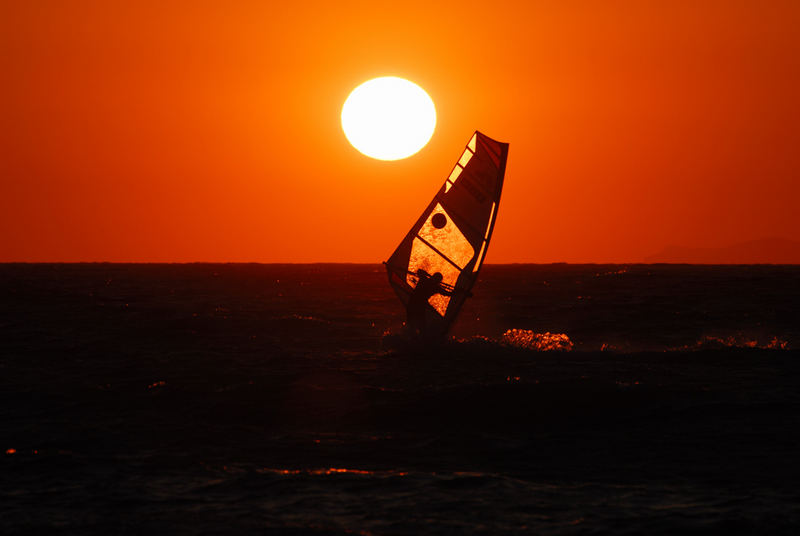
<point>304,318</point>
<point>712,342</point>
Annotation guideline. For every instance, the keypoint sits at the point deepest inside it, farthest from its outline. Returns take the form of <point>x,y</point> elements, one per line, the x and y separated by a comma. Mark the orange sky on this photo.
<point>205,132</point>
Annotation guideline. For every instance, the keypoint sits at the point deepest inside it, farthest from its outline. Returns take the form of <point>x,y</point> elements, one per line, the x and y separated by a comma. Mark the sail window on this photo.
<point>448,239</point>
<point>480,257</point>
<point>454,175</point>
<point>452,178</point>
<point>440,303</point>
<point>465,158</point>
<point>428,259</point>
<point>491,219</point>
<point>471,143</point>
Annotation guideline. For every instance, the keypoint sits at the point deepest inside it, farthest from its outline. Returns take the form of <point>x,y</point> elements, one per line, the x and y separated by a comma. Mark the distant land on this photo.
<point>763,251</point>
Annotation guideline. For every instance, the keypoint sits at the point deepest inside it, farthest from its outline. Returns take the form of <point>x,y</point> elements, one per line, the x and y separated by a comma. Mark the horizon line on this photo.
<point>348,263</point>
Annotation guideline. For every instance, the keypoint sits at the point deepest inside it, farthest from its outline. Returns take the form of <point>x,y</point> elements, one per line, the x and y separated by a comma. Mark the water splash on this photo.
<point>542,342</point>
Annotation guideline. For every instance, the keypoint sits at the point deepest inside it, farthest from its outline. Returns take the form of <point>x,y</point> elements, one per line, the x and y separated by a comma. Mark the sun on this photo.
<point>388,118</point>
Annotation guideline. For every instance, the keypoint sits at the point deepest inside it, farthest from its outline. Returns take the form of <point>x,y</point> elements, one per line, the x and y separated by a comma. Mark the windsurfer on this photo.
<point>427,286</point>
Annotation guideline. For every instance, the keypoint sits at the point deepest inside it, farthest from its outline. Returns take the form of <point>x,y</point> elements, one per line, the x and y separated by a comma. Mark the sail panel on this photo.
<point>494,150</point>
<point>470,216</point>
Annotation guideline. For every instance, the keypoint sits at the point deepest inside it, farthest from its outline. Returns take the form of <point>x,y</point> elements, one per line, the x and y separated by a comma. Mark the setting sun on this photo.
<point>388,118</point>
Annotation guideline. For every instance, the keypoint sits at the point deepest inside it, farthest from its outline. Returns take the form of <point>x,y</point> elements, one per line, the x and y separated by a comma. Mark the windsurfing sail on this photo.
<point>453,233</point>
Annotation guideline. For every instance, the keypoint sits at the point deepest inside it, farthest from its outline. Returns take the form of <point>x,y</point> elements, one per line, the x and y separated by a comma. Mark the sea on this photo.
<point>274,399</point>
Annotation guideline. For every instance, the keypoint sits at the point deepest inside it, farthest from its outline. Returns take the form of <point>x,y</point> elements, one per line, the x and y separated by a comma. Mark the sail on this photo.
<point>453,233</point>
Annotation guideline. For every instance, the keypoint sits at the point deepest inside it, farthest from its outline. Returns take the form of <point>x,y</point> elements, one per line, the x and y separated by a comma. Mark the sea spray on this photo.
<point>542,342</point>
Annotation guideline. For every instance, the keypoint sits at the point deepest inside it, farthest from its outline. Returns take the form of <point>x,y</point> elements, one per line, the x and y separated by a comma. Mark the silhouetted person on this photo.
<point>427,286</point>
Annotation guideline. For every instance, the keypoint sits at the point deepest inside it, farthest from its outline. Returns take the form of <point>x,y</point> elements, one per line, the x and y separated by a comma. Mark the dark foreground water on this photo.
<point>258,399</point>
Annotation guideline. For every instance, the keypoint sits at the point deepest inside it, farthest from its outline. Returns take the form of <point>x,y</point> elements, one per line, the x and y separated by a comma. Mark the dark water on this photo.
<point>205,399</point>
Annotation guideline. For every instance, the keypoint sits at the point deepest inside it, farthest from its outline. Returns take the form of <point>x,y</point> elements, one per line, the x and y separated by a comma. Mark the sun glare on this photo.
<point>388,118</point>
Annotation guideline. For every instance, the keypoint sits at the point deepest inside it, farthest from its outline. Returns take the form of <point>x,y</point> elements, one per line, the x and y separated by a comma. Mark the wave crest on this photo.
<point>740,341</point>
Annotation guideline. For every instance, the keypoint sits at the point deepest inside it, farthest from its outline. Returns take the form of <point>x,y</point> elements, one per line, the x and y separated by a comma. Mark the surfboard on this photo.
<point>453,233</point>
